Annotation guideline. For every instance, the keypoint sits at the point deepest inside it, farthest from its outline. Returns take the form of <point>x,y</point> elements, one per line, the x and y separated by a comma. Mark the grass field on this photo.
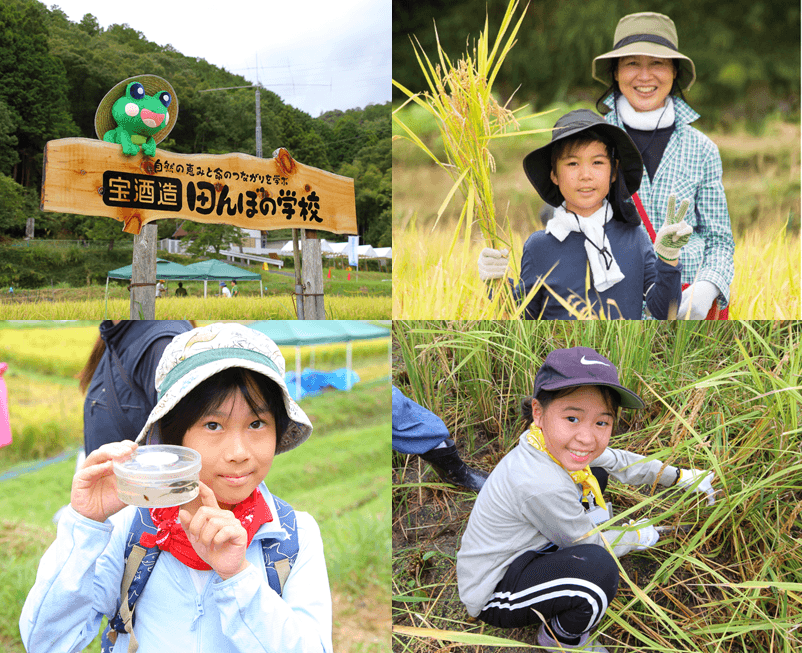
<point>434,265</point>
<point>720,396</point>
<point>339,475</point>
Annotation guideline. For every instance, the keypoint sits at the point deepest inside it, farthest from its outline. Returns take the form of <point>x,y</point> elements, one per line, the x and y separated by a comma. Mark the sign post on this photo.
<point>143,274</point>
<point>92,177</point>
<point>312,268</point>
<point>296,263</point>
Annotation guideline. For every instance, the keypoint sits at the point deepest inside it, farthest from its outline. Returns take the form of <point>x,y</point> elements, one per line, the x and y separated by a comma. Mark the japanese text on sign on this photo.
<point>205,199</point>
<point>166,194</point>
<point>218,174</point>
<point>141,191</point>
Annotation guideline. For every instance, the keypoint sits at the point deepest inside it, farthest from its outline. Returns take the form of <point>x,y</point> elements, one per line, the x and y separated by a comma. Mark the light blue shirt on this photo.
<point>79,577</point>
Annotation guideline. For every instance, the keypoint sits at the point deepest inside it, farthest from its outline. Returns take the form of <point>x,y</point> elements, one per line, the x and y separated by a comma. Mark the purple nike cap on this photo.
<point>566,368</point>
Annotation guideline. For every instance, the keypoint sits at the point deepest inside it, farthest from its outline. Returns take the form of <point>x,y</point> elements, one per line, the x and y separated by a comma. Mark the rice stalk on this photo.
<point>720,396</point>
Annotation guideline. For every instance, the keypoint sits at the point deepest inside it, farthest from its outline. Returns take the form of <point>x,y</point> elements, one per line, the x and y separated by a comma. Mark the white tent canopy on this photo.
<point>325,247</point>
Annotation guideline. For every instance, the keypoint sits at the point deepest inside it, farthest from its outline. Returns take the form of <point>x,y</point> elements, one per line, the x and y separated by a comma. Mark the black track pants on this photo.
<point>575,585</point>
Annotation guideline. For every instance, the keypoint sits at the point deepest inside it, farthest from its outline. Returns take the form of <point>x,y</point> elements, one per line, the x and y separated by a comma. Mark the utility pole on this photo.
<point>311,309</point>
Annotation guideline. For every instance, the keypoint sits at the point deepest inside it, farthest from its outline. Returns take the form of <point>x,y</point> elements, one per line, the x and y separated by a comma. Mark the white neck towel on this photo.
<point>603,266</point>
<point>645,120</point>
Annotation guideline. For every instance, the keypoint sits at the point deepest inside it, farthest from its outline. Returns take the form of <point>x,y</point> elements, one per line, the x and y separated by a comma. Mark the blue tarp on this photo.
<point>314,382</point>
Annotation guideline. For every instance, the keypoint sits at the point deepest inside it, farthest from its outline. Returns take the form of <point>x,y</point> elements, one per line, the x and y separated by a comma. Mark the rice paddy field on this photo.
<point>720,396</point>
<point>439,228</point>
<point>211,308</point>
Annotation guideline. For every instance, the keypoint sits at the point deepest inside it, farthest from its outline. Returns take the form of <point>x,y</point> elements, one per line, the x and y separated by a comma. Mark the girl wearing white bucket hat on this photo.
<point>646,75</point>
<point>235,568</point>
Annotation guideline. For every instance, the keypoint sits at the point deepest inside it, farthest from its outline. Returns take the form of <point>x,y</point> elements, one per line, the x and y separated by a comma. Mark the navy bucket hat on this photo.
<point>537,164</point>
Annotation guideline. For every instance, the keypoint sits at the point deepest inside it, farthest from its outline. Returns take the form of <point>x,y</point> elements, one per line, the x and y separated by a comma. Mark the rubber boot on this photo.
<point>451,468</point>
<point>586,644</point>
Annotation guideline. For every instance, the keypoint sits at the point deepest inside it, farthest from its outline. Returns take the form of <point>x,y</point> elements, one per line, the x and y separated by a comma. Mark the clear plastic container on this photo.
<point>159,476</point>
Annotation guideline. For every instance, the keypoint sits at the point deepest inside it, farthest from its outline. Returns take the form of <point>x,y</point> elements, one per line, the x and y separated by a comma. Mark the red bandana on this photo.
<point>170,535</point>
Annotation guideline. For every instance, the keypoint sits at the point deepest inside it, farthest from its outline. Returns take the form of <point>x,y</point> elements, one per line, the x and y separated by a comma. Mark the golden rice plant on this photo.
<point>767,275</point>
<point>428,282</point>
<point>460,99</point>
<point>68,349</point>
<point>211,308</point>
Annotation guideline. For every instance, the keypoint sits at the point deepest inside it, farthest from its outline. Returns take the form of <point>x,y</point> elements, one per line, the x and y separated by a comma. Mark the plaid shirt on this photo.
<point>691,169</point>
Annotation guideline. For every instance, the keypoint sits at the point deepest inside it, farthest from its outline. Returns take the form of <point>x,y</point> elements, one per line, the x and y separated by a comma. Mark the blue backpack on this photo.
<point>279,556</point>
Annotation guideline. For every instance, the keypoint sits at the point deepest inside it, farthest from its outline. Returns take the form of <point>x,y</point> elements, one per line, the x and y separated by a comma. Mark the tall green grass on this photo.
<point>722,396</point>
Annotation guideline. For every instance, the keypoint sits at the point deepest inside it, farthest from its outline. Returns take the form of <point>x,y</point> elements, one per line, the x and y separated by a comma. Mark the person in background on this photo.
<point>118,377</point>
<point>224,291</point>
<point>234,288</point>
<point>180,291</point>
<point>417,430</point>
<point>646,75</point>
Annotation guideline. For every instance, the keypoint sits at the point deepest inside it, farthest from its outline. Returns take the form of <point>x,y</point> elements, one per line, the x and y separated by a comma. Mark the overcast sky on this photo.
<point>315,55</point>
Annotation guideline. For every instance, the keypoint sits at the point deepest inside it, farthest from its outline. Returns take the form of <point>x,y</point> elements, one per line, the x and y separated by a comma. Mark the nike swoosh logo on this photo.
<point>585,361</point>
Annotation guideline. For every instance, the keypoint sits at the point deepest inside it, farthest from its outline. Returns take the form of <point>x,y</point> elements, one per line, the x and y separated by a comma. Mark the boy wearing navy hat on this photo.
<point>526,557</point>
<point>588,172</point>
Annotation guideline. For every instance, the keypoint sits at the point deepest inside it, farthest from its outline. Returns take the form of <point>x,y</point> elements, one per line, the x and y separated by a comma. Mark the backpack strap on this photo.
<point>715,313</point>
<point>139,563</point>
<point>279,557</point>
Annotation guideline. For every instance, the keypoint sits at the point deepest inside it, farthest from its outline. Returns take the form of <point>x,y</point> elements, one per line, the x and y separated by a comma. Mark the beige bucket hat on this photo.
<point>152,84</point>
<point>194,356</point>
<point>646,33</point>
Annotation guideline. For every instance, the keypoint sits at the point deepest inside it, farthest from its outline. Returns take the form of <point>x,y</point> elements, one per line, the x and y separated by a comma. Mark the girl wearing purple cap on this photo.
<point>526,557</point>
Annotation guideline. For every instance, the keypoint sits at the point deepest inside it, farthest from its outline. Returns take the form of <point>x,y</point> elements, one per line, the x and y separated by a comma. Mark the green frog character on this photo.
<point>139,116</point>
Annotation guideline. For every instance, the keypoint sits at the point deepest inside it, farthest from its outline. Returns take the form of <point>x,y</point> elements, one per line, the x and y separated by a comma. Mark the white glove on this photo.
<point>493,263</point>
<point>675,232</point>
<point>697,300</point>
<point>647,535</point>
<point>690,477</point>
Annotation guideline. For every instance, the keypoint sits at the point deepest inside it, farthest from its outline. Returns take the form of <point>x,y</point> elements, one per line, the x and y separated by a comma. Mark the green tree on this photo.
<point>746,52</point>
<point>203,236</point>
<point>16,204</point>
<point>34,84</point>
<point>8,140</point>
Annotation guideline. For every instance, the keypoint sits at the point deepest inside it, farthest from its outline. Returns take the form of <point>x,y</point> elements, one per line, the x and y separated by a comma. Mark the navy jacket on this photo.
<point>645,276</point>
<point>139,344</point>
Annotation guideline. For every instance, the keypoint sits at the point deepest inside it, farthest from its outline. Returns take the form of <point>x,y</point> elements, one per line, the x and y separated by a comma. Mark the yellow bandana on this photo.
<point>583,477</point>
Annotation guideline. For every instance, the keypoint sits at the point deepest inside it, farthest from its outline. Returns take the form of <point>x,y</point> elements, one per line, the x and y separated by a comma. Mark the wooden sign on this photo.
<point>92,177</point>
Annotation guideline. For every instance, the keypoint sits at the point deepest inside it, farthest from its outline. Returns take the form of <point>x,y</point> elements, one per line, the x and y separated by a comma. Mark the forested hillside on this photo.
<point>54,73</point>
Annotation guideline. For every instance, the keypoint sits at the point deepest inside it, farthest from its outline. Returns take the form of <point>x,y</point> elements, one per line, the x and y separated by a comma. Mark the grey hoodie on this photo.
<point>529,502</point>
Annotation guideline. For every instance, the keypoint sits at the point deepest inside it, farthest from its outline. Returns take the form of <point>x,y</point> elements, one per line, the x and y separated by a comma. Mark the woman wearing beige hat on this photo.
<point>646,76</point>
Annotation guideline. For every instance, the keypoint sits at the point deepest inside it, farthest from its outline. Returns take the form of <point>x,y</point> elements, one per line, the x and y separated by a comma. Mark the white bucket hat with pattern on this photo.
<point>194,356</point>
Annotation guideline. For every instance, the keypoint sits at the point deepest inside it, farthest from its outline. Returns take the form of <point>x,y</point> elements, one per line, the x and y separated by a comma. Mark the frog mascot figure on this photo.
<point>137,113</point>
